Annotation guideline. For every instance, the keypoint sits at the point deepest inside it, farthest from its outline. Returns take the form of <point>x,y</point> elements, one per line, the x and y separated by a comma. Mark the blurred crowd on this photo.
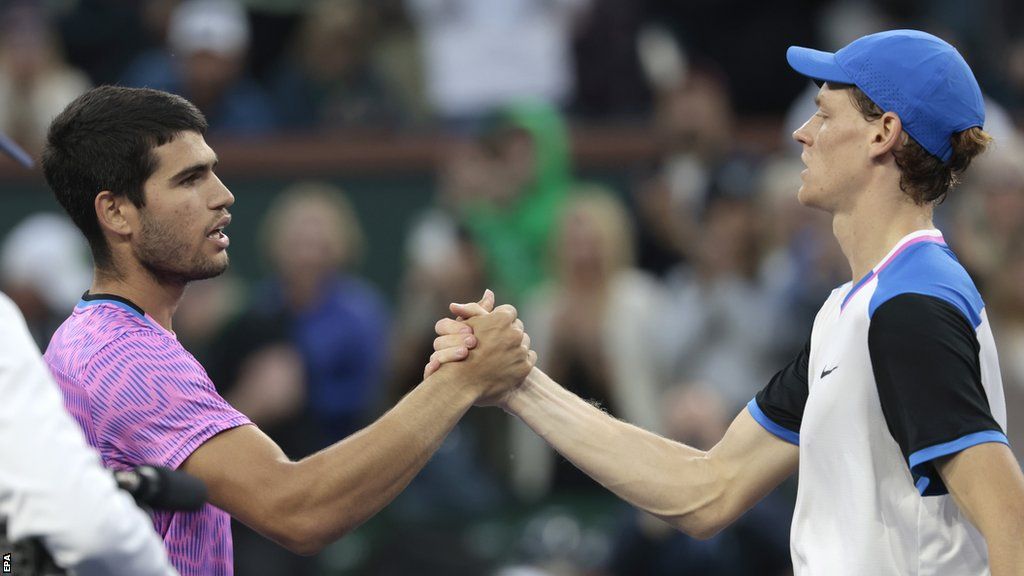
<point>264,66</point>
<point>669,299</point>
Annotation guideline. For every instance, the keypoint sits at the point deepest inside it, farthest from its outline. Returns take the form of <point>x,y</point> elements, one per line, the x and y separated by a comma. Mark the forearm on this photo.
<point>339,488</point>
<point>988,486</point>
<point>677,483</point>
<point>1006,554</point>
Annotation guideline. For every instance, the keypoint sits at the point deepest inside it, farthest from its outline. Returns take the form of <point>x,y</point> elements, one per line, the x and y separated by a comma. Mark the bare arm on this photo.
<point>307,504</point>
<point>986,483</point>
<point>697,492</point>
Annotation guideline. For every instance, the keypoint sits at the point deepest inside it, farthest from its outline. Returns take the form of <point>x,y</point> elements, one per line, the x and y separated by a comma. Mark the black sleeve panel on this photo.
<point>925,358</point>
<point>785,396</point>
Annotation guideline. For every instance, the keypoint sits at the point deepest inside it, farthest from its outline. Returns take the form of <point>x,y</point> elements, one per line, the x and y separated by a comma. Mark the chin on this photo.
<point>803,196</point>
<point>811,199</point>
<point>220,265</point>
<point>213,268</point>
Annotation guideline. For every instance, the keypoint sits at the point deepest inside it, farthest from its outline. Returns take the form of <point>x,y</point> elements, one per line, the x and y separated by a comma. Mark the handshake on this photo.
<point>483,346</point>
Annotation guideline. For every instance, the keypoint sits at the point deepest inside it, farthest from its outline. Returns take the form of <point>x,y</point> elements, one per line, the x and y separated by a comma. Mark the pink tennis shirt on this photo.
<point>141,398</point>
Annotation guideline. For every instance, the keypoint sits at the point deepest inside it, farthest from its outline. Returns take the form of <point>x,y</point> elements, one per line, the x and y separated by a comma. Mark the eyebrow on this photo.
<point>817,100</point>
<point>194,169</point>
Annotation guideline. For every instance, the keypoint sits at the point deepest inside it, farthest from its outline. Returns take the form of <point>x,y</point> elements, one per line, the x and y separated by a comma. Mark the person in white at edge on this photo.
<point>893,412</point>
<point>52,486</point>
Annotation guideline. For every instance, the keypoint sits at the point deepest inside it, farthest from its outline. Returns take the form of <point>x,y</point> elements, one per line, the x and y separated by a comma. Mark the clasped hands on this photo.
<point>488,345</point>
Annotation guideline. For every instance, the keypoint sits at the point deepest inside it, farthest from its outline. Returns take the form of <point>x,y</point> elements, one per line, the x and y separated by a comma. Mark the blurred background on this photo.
<point>622,171</point>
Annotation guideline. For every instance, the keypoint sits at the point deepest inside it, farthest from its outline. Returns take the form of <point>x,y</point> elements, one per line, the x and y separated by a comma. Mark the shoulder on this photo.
<point>929,269</point>
<point>101,336</point>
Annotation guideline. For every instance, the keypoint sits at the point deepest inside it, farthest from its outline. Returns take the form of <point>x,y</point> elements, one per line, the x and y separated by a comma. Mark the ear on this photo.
<point>115,214</point>
<point>887,136</point>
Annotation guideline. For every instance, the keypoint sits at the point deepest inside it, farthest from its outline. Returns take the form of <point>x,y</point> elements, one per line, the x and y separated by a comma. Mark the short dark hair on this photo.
<point>923,176</point>
<point>104,140</point>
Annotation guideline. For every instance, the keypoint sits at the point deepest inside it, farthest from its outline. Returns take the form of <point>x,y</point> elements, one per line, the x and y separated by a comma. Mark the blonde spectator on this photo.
<point>592,327</point>
<point>338,321</point>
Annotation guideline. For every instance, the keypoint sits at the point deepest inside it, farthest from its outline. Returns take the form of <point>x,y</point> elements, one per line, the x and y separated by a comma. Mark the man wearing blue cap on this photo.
<point>893,413</point>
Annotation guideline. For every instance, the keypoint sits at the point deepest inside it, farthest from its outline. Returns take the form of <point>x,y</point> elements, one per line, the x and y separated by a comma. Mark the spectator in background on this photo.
<point>593,328</point>
<point>513,221</point>
<point>1007,316</point>
<point>204,61</point>
<point>205,309</point>
<point>260,371</point>
<point>44,269</point>
<point>329,79</point>
<point>744,38</point>
<point>443,263</point>
<point>337,321</point>
<point>480,55</point>
<point>273,24</point>
<point>758,543</point>
<point>605,47</point>
<point>720,326</point>
<point>988,220</point>
<point>801,264</point>
<point>103,37</point>
<point>693,123</point>
<point>35,82</point>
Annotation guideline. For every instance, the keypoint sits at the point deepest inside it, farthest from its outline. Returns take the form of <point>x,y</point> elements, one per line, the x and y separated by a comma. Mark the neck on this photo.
<point>868,231</point>
<point>156,299</point>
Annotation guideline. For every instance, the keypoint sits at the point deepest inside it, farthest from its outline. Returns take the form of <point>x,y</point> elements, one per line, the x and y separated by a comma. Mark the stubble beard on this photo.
<point>168,258</point>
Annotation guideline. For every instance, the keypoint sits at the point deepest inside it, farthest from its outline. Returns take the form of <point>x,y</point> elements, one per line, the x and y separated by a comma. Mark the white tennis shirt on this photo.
<point>900,369</point>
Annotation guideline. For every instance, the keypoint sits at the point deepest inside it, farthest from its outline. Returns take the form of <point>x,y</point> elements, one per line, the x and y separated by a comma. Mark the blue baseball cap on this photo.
<point>920,77</point>
<point>12,149</point>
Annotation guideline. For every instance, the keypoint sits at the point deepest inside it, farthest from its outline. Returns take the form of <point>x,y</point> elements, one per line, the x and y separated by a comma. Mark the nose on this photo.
<point>803,134</point>
<point>222,197</point>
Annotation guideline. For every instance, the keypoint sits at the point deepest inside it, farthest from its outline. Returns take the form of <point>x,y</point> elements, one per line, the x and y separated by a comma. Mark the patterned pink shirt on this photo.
<point>141,398</point>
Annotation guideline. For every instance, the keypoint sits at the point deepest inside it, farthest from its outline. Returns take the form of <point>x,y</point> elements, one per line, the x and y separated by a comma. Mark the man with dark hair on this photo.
<point>893,412</point>
<point>133,169</point>
<point>105,140</point>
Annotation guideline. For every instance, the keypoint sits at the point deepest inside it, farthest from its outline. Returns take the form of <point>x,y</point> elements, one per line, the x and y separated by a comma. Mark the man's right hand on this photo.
<point>501,356</point>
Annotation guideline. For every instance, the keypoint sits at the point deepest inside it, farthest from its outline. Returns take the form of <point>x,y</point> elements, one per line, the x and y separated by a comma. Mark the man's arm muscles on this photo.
<point>697,492</point>
<point>307,504</point>
<point>987,484</point>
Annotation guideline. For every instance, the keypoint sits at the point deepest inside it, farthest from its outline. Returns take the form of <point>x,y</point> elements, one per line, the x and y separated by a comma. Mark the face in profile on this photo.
<point>834,143</point>
<point>181,227</point>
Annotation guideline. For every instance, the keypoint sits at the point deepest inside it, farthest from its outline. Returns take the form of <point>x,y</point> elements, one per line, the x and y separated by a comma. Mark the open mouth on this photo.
<point>218,235</point>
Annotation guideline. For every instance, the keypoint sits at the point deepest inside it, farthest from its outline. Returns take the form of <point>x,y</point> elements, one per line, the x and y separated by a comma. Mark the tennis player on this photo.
<point>134,172</point>
<point>893,412</point>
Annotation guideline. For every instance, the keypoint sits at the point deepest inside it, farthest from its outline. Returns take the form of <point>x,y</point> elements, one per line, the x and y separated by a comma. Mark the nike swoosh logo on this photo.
<point>829,371</point>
